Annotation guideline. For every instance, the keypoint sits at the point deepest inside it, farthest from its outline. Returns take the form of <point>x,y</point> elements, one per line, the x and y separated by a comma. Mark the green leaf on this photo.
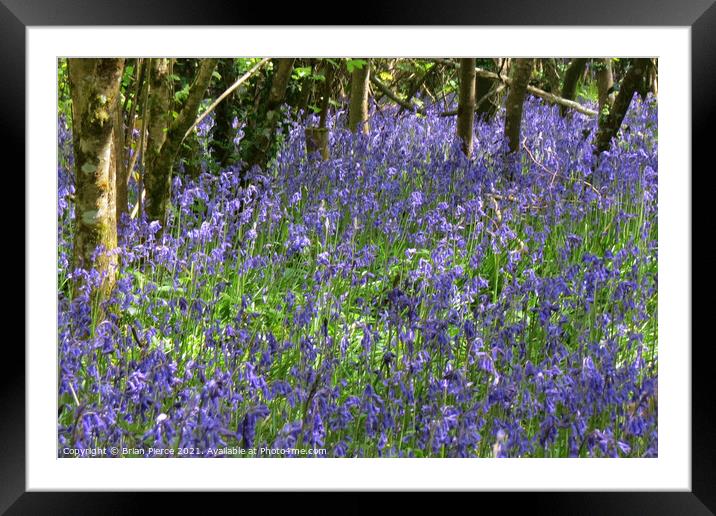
<point>355,64</point>
<point>301,72</point>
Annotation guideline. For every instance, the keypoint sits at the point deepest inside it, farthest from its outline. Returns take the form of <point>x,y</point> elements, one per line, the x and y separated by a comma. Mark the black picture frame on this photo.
<point>700,15</point>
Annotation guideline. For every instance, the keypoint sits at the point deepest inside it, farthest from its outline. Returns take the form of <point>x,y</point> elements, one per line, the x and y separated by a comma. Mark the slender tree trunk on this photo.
<point>520,76</point>
<point>159,114</point>
<point>126,161</point>
<point>358,110</point>
<point>610,124</point>
<point>160,162</point>
<point>222,143</point>
<point>605,83</point>
<point>121,166</point>
<point>571,78</point>
<point>466,104</point>
<point>94,88</point>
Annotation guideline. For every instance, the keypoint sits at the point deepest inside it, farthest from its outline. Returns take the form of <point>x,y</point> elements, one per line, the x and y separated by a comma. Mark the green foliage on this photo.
<point>355,64</point>
<point>181,95</point>
<point>587,91</point>
<point>64,100</point>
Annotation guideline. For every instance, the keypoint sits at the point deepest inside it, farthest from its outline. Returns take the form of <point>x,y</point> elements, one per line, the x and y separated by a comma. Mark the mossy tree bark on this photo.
<point>358,109</point>
<point>551,75</point>
<point>520,76</point>
<point>466,104</point>
<point>609,125</point>
<point>571,78</point>
<point>163,145</point>
<point>158,119</point>
<point>605,83</point>
<point>94,88</point>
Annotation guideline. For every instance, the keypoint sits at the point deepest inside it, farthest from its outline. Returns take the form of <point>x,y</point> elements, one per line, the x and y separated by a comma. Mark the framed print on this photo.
<point>359,257</point>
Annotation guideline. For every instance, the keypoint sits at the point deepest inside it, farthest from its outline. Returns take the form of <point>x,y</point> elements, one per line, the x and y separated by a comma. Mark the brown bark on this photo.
<point>610,124</point>
<point>161,160</point>
<point>358,110</point>
<point>94,88</point>
<point>317,141</point>
<point>605,83</point>
<point>159,114</point>
<point>519,77</point>
<point>571,78</point>
<point>466,104</point>
<point>122,171</point>
<point>279,83</point>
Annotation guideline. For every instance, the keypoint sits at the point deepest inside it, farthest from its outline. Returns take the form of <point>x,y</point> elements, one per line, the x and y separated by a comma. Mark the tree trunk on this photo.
<point>358,110</point>
<point>649,84</point>
<point>125,161</point>
<point>605,83</point>
<point>654,83</point>
<point>466,104</point>
<point>160,162</point>
<point>571,78</point>
<point>520,76</point>
<point>610,124</point>
<point>259,151</point>
<point>94,88</point>
<point>222,143</point>
<point>317,137</point>
<point>122,170</point>
<point>279,83</point>
<point>551,75</point>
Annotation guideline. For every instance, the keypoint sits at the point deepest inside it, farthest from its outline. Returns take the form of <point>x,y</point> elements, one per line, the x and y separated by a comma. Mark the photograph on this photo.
<point>357,257</point>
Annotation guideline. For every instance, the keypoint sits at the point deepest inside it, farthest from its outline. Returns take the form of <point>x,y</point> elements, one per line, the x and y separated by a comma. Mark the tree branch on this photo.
<point>228,92</point>
<point>549,97</point>
<point>394,96</point>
